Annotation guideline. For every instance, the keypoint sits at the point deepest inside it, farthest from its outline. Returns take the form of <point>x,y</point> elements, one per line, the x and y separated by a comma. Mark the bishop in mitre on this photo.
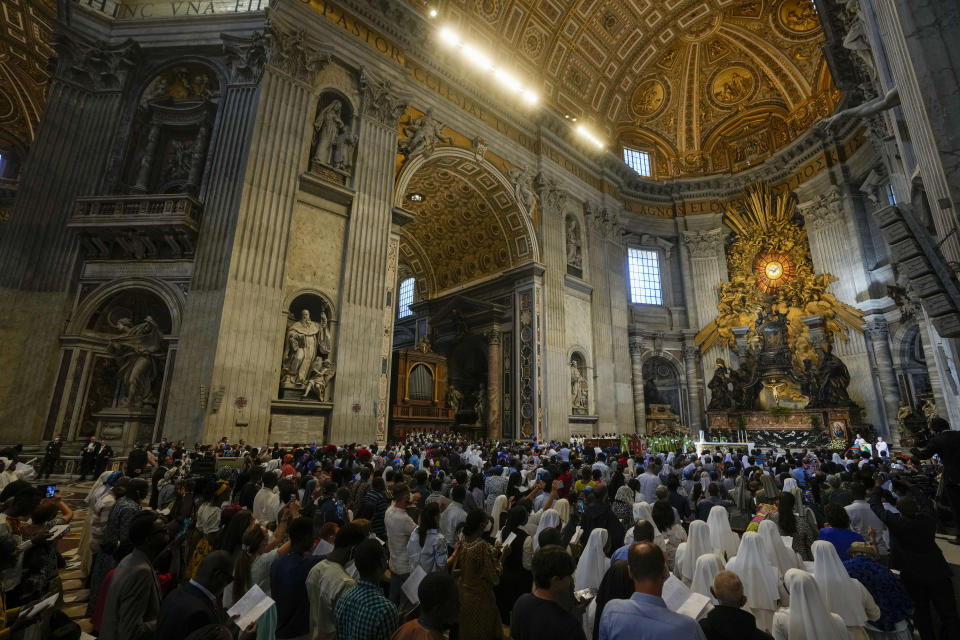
<point>305,340</point>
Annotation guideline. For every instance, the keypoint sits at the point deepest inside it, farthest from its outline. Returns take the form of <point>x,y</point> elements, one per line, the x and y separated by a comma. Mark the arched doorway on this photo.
<point>457,286</point>
<point>115,361</point>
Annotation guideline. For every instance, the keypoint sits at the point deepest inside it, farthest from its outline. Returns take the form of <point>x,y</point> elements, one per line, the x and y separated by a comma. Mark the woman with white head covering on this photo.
<point>549,520</point>
<point>789,483</point>
<point>593,562</point>
<point>562,507</point>
<point>708,566</point>
<point>846,596</point>
<point>697,544</point>
<point>642,511</point>
<point>704,480</point>
<point>808,617</point>
<point>724,541</point>
<point>778,554</point>
<point>98,490</point>
<point>761,582</point>
<point>499,510</point>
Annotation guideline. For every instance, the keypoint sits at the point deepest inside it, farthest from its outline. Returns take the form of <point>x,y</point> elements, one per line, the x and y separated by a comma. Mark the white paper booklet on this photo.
<point>250,607</point>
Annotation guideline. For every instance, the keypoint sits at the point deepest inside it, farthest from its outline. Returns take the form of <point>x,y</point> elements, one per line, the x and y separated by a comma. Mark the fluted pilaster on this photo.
<point>601,322</point>
<point>879,334</point>
<point>556,369</point>
<point>639,404</point>
<point>361,363</point>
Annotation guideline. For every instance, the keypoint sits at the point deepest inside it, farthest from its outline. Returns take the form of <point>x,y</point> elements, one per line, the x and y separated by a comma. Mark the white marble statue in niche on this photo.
<point>574,250</point>
<point>578,388</point>
<point>138,351</point>
<point>327,127</point>
<point>306,339</point>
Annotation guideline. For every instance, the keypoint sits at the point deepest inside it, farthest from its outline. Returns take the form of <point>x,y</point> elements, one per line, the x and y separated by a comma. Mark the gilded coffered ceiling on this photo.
<point>26,32</point>
<point>708,86</point>
<point>468,226</point>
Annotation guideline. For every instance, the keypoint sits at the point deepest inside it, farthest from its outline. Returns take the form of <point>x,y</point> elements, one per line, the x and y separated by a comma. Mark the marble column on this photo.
<point>556,370</point>
<point>362,365</point>
<point>835,249</point>
<point>494,392</point>
<point>879,334</point>
<point>249,338</point>
<point>639,405</point>
<point>619,325</point>
<point>708,269</point>
<point>38,253</point>
<point>601,319</point>
<point>221,196</point>
<point>691,355</point>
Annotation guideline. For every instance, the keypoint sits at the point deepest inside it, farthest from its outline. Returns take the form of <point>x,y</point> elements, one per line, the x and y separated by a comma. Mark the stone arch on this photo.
<point>910,363</point>
<point>469,225</point>
<point>166,292</point>
<point>665,371</point>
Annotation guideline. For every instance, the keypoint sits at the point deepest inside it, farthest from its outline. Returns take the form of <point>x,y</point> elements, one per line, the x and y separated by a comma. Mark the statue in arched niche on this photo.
<point>138,351</point>
<point>306,338</point>
<point>578,388</point>
<point>334,141</point>
<point>327,127</point>
<point>574,250</point>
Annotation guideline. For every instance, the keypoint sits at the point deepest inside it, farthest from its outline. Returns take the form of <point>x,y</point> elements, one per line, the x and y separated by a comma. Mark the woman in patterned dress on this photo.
<point>479,565</point>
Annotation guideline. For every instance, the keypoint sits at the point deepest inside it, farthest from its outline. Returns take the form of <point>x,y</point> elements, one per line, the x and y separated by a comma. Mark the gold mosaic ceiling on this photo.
<point>708,86</point>
<point>467,227</point>
<point>26,28</point>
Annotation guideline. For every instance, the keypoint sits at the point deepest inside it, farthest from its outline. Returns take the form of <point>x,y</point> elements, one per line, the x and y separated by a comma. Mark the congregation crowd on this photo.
<point>437,537</point>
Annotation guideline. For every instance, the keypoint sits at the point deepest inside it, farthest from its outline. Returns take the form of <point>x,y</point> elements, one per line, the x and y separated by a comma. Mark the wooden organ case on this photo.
<point>419,392</point>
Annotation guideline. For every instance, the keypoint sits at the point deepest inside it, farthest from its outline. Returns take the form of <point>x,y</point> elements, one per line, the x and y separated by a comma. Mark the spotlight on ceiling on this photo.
<point>449,37</point>
<point>530,97</point>
<point>432,13</point>
<point>586,134</point>
<point>508,80</point>
<point>416,197</point>
<point>476,57</point>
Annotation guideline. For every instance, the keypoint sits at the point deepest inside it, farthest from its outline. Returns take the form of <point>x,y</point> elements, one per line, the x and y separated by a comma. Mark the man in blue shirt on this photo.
<point>642,532</point>
<point>645,615</point>
<point>288,581</point>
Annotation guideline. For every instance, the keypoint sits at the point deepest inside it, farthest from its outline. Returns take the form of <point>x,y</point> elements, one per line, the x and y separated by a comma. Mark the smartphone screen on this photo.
<point>49,490</point>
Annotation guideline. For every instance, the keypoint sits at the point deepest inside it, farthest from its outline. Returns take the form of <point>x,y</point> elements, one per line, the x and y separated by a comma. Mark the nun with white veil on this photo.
<point>846,596</point>
<point>499,511</point>
<point>697,544</point>
<point>642,511</point>
<point>593,562</point>
<point>549,520</point>
<point>708,566</point>
<point>761,582</point>
<point>778,554</point>
<point>725,542</point>
<point>808,617</point>
<point>562,506</point>
<point>99,488</point>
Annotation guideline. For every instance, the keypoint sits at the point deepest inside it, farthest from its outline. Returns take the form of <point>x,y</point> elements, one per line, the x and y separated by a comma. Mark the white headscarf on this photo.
<point>724,541</point>
<point>642,511</point>
<point>697,544</point>
<point>778,554</point>
<point>808,617</point>
<point>98,489</point>
<point>704,480</point>
<point>562,506</point>
<point>499,508</point>
<point>842,594</point>
<point>789,483</point>
<point>593,563</point>
<point>549,520</point>
<point>760,580</point>
<point>708,566</point>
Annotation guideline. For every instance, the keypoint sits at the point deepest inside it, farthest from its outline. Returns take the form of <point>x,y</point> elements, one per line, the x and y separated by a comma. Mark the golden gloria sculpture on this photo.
<point>770,268</point>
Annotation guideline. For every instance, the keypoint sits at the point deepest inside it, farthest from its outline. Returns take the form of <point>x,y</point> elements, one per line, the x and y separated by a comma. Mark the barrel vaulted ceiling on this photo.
<point>707,86</point>
<point>26,31</point>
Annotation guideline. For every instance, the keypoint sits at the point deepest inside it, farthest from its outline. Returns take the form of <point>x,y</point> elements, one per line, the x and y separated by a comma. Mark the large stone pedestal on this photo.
<point>124,427</point>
